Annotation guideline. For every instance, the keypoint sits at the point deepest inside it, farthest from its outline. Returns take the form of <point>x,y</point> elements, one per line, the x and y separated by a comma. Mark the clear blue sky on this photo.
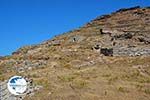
<point>26,22</point>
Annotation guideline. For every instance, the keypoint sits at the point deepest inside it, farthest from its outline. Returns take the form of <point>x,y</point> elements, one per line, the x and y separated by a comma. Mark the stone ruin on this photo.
<point>104,51</point>
<point>118,47</point>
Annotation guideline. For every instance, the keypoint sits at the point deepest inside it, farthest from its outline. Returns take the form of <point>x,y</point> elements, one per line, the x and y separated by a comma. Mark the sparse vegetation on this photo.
<point>147,91</point>
<point>79,83</point>
<point>73,70</point>
<point>66,78</point>
<point>122,89</point>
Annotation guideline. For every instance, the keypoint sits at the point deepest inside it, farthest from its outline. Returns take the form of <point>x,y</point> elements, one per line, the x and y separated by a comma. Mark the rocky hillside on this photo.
<point>106,59</point>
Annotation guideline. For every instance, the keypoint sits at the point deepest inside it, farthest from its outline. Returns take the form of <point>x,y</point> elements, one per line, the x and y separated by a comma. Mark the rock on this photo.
<point>80,64</point>
<point>105,32</point>
<point>132,51</point>
<point>54,64</point>
<point>127,9</point>
<point>144,40</point>
<point>43,58</point>
<point>76,38</point>
<point>123,36</point>
<point>96,47</point>
<point>106,51</point>
<point>29,65</point>
<point>56,56</point>
<point>21,69</point>
<point>102,17</point>
<point>29,68</point>
<point>16,53</point>
<point>54,42</point>
<point>33,51</point>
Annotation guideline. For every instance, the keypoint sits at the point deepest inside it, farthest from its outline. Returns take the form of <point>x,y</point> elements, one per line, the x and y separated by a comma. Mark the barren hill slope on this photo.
<point>107,59</point>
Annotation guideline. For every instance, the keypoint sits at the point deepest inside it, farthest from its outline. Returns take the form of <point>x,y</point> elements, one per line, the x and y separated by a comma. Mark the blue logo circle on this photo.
<point>17,85</point>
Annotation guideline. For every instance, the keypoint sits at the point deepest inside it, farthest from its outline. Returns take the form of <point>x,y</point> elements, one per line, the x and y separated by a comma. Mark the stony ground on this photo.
<point>71,67</point>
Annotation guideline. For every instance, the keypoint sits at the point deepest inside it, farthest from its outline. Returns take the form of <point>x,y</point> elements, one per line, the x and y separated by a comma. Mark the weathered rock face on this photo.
<point>132,52</point>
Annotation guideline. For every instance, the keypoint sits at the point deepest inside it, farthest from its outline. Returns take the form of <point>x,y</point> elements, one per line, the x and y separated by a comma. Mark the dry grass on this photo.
<point>104,78</point>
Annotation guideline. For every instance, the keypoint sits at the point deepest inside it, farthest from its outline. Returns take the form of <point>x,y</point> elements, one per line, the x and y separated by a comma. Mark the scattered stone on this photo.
<point>102,17</point>
<point>32,88</point>
<point>16,53</point>
<point>29,65</point>
<point>102,32</point>
<point>97,47</point>
<point>54,64</point>
<point>55,42</point>
<point>123,36</point>
<point>107,51</point>
<point>76,38</point>
<point>33,51</point>
<point>43,58</point>
<point>80,64</point>
<point>131,52</point>
<point>57,56</point>
<point>126,9</point>
<point>144,39</point>
<point>138,13</point>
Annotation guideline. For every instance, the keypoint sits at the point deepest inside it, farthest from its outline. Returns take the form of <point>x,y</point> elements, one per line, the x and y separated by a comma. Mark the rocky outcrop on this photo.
<point>123,36</point>
<point>127,9</point>
<point>132,52</point>
<point>145,40</point>
<point>77,38</point>
<point>119,44</point>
